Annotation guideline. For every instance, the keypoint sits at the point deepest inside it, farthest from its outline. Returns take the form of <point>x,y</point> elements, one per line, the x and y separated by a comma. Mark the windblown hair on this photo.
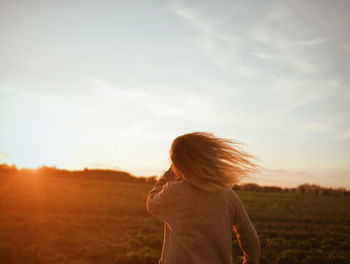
<point>208,162</point>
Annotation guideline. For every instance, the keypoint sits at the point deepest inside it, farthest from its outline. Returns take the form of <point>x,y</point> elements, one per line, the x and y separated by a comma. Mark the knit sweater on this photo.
<point>199,225</point>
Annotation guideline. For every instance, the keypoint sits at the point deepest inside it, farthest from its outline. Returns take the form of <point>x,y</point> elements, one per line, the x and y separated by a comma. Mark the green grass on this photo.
<point>88,221</point>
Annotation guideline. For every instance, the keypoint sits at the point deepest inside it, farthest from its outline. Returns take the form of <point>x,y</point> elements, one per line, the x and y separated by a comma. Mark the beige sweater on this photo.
<point>199,225</point>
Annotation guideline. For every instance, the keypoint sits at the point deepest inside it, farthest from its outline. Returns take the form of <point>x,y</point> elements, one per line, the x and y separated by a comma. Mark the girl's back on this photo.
<point>199,225</point>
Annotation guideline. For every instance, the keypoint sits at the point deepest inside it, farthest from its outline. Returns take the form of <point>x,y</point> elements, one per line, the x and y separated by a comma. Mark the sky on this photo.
<point>110,84</point>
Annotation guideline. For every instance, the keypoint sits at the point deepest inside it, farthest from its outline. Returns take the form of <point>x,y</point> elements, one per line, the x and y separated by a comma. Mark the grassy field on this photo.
<point>44,220</point>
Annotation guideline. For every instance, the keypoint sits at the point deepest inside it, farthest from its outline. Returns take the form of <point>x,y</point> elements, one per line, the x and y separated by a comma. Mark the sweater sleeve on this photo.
<point>158,199</point>
<point>246,234</point>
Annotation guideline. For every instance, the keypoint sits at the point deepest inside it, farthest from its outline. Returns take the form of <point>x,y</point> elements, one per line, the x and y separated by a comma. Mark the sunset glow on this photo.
<point>110,86</point>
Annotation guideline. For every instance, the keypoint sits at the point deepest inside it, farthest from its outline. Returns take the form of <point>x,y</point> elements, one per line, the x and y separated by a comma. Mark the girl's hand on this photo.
<point>169,175</point>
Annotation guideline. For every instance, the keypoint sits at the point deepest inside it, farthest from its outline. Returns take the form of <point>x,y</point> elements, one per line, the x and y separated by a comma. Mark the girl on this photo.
<point>199,208</point>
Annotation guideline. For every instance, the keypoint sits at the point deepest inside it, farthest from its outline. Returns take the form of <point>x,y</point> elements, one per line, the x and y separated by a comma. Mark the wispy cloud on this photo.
<point>274,33</point>
<point>294,177</point>
<point>222,49</point>
<point>335,133</point>
<point>115,93</point>
<point>318,127</point>
<point>313,42</point>
<point>194,18</point>
<point>158,101</point>
<point>289,95</point>
<point>4,156</point>
<point>343,134</point>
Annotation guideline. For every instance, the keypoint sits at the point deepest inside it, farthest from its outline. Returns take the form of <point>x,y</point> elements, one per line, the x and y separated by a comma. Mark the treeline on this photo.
<point>122,176</point>
<point>301,189</point>
<point>53,172</point>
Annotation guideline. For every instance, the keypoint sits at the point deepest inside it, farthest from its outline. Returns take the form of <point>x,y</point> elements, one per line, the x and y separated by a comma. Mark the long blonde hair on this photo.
<point>208,162</point>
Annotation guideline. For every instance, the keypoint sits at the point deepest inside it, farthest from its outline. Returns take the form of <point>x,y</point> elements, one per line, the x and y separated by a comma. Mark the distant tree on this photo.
<point>142,178</point>
<point>250,187</point>
<point>236,187</point>
<point>152,179</point>
<point>7,169</point>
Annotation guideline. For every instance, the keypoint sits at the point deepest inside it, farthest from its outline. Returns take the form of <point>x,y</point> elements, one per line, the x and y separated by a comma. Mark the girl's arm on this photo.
<point>167,176</point>
<point>157,201</point>
<point>246,234</point>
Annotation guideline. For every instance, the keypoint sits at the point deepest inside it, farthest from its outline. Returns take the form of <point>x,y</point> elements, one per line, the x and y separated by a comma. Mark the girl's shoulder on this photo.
<point>177,184</point>
<point>181,187</point>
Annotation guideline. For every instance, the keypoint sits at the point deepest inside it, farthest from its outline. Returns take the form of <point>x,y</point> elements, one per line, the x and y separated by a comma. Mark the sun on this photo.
<point>32,158</point>
<point>29,164</point>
